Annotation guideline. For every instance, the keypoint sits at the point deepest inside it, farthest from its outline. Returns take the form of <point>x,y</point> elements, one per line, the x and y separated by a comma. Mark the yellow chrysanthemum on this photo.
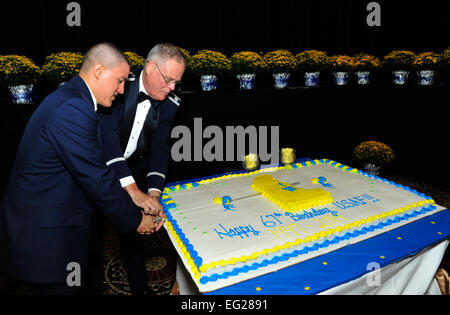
<point>62,66</point>
<point>279,61</point>
<point>15,70</point>
<point>135,60</point>
<point>209,62</point>
<point>246,62</point>
<point>374,152</point>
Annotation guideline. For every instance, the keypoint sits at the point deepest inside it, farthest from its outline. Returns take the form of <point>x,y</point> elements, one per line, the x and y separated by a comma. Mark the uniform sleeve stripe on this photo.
<point>156,173</point>
<point>114,161</point>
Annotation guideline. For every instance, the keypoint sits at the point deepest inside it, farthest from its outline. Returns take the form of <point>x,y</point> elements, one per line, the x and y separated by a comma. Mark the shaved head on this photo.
<point>103,53</point>
<point>105,69</point>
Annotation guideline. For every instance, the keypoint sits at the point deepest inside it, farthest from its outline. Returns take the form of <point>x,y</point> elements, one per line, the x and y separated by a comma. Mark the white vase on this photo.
<point>400,77</point>
<point>372,169</point>
<point>362,77</point>
<point>22,94</point>
<point>281,80</point>
<point>208,82</point>
<point>340,78</point>
<point>246,81</point>
<point>312,78</point>
<point>425,77</point>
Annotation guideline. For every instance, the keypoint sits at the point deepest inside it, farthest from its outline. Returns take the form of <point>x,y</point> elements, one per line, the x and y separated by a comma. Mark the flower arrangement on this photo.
<point>341,63</point>
<point>62,66</point>
<point>18,70</point>
<point>399,60</point>
<point>209,62</point>
<point>444,65</point>
<point>247,62</point>
<point>374,152</point>
<point>444,59</point>
<point>186,54</point>
<point>426,61</point>
<point>366,62</point>
<point>136,61</point>
<point>279,61</point>
<point>311,60</point>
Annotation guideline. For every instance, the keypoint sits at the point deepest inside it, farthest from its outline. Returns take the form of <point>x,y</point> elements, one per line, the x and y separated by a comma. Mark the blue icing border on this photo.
<point>316,246</point>
<point>199,261</point>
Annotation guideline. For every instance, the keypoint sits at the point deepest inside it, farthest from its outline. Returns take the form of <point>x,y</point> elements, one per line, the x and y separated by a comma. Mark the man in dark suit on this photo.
<point>136,136</point>
<point>60,176</point>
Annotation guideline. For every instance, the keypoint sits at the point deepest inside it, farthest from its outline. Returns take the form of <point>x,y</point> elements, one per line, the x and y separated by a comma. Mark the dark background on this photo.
<point>323,122</point>
<point>38,28</point>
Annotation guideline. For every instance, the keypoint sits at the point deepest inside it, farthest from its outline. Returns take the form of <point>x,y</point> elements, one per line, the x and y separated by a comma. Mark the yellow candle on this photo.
<point>287,155</point>
<point>251,161</point>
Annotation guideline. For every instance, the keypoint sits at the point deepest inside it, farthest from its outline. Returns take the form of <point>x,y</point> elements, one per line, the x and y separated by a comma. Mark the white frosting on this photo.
<point>251,224</point>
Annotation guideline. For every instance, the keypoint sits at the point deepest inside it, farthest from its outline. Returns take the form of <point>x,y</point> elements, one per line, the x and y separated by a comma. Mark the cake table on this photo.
<point>386,263</point>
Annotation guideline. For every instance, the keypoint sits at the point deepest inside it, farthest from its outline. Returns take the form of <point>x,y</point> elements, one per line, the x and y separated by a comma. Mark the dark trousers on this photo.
<point>131,248</point>
<point>133,258</point>
<point>132,244</point>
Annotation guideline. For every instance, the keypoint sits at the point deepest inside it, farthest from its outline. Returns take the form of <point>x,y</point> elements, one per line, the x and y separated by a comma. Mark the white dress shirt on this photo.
<point>92,95</point>
<point>141,114</point>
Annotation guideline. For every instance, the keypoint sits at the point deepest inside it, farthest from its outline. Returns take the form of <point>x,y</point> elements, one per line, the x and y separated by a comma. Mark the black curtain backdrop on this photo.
<point>38,28</point>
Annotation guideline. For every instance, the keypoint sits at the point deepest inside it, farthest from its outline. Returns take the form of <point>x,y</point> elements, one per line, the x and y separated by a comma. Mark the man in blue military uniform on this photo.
<point>135,137</point>
<point>60,176</point>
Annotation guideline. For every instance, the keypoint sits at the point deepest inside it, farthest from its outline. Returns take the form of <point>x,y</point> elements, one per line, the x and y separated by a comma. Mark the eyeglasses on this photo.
<point>172,81</point>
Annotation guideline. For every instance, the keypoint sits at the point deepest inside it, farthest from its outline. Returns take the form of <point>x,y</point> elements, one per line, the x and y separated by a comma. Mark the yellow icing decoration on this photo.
<point>218,200</point>
<point>288,197</point>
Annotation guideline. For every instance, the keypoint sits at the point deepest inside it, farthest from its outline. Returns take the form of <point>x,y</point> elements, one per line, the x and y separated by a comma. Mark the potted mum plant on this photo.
<point>373,155</point>
<point>136,61</point>
<point>340,66</point>
<point>444,66</point>
<point>209,64</point>
<point>62,66</point>
<point>186,54</point>
<point>311,62</point>
<point>364,65</point>
<point>426,64</point>
<point>280,63</point>
<point>245,65</point>
<point>400,63</point>
<point>20,74</point>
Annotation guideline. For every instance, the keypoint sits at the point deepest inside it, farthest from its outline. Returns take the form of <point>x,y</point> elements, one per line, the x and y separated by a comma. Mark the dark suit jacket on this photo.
<point>59,176</point>
<point>148,164</point>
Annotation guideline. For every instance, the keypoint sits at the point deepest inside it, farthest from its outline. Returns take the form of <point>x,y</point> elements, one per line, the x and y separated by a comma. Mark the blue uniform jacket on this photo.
<point>59,177</point>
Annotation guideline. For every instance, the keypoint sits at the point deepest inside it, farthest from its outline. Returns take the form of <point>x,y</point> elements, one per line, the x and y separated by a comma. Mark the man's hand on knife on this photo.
<point>149,204</point>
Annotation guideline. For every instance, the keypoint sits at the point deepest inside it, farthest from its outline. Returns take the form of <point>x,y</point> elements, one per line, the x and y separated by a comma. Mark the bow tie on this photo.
<point>143,97</point>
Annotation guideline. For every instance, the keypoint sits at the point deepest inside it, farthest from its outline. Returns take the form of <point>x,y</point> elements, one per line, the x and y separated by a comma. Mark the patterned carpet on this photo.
<point>160,263</point>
